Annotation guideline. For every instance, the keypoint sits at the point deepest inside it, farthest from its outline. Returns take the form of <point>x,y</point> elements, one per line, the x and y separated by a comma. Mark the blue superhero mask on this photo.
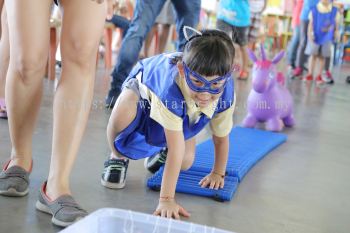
<point>200,84</point>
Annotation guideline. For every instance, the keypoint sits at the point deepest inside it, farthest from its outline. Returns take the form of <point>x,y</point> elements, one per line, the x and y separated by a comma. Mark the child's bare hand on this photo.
<point>213,180</point>
<point>170,209</point>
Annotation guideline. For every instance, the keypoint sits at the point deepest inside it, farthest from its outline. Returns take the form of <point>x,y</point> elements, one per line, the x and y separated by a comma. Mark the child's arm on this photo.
<point>216,178</point>
<point>310,30</point>
<point>167,206</point>
<point>336,29</point>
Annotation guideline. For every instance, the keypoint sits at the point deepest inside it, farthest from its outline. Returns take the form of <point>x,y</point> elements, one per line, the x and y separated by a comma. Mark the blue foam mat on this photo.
<point>188,183</point>
<point>247,147</point>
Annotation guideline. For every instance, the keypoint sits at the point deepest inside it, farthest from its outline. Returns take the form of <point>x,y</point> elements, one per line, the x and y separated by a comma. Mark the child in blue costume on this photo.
<point>167,100</point>
<point>323,30</point>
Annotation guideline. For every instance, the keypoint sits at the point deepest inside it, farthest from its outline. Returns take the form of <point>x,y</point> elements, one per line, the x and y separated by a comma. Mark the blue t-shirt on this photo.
<point>308,4</point>
<point>234,12</point>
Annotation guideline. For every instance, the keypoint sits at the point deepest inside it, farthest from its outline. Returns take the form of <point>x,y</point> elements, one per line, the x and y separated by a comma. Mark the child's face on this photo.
<point>202,98</point>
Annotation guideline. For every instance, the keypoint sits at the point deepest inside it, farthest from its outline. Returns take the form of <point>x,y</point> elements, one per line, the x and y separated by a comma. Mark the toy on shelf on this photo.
<point>269,100</point>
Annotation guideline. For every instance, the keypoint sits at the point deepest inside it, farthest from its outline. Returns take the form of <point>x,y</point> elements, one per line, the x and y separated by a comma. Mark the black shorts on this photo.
<point>239,35</point>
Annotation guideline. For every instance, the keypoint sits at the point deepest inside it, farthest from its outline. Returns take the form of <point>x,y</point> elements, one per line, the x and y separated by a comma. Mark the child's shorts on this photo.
<point>319,50</point>
<point>131,142</point>
<point>239,35</point>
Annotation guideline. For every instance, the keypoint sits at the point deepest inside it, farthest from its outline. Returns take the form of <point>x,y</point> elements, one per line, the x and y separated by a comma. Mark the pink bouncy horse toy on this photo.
<point>269,100</point>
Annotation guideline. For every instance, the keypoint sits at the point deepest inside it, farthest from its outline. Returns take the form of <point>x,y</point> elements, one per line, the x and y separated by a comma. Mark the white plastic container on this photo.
<point>126,221</point>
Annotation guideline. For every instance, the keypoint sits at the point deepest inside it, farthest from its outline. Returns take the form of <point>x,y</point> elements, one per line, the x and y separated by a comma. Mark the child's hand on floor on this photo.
<point>213,180</point>
<point>170,209</point>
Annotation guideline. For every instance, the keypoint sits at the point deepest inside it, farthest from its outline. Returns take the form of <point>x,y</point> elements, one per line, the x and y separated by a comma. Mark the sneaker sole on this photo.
<point>11,192</point>
<point>112,185</point>
<point>43,208</point>
<point>145,164</point>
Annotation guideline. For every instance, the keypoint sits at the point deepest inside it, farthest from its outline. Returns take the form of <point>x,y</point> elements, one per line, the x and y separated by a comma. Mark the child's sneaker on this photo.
<point>329,77</point>
<point>308,78</point>
<point>243,75</point>
<point>114,173</point>
<point>319,80</point>
<point>297,72</point>
<point>290,73</point>
<point>154,162</point>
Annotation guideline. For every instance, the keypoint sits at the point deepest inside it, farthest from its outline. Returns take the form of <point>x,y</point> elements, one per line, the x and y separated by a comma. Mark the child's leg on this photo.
<point>321,61</point>
<point>244,57</point>
<point>148,41</point>
<point>312,64</point>
<point>327,64</point>
<point>123,114</point>
<point>190,148</point>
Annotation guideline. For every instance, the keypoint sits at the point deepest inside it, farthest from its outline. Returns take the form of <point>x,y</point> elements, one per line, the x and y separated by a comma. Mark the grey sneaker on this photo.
<point>14,181</point>
<point>64,210</point>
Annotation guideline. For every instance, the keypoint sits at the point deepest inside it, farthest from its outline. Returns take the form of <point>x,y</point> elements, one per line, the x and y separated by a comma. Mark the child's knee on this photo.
<point>187,162</point>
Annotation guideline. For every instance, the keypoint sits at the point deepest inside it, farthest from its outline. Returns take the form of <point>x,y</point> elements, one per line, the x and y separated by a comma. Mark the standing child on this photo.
<point>323,29</point>
<point>234,18</point>
<point>166,100</point>
<point>256,9</point>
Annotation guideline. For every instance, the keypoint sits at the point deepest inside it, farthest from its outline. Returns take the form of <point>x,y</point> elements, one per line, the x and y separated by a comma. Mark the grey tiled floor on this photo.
<point>302,186</point>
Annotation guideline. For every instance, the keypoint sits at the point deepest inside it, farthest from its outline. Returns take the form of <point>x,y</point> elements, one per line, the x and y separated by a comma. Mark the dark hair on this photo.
<point>210,54</point>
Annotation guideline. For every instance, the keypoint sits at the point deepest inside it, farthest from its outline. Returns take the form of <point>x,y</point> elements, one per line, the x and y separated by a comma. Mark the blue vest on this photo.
<point>159,74</point>
<point>323,25</point>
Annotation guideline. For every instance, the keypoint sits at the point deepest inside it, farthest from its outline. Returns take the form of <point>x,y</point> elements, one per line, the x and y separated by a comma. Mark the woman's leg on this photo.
<point>293,46</point>
<point>5,53</point>
<point>82,28</point>
<point>1,7</point>
<point>29,36</point>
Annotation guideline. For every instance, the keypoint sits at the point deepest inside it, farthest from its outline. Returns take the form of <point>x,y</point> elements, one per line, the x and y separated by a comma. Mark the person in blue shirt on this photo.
<point>165,101</point>
<point>234,18</point>
<point>323,30</point>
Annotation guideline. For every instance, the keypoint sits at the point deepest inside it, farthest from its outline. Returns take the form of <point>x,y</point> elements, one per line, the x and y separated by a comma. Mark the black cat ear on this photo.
<point>190,32</point>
